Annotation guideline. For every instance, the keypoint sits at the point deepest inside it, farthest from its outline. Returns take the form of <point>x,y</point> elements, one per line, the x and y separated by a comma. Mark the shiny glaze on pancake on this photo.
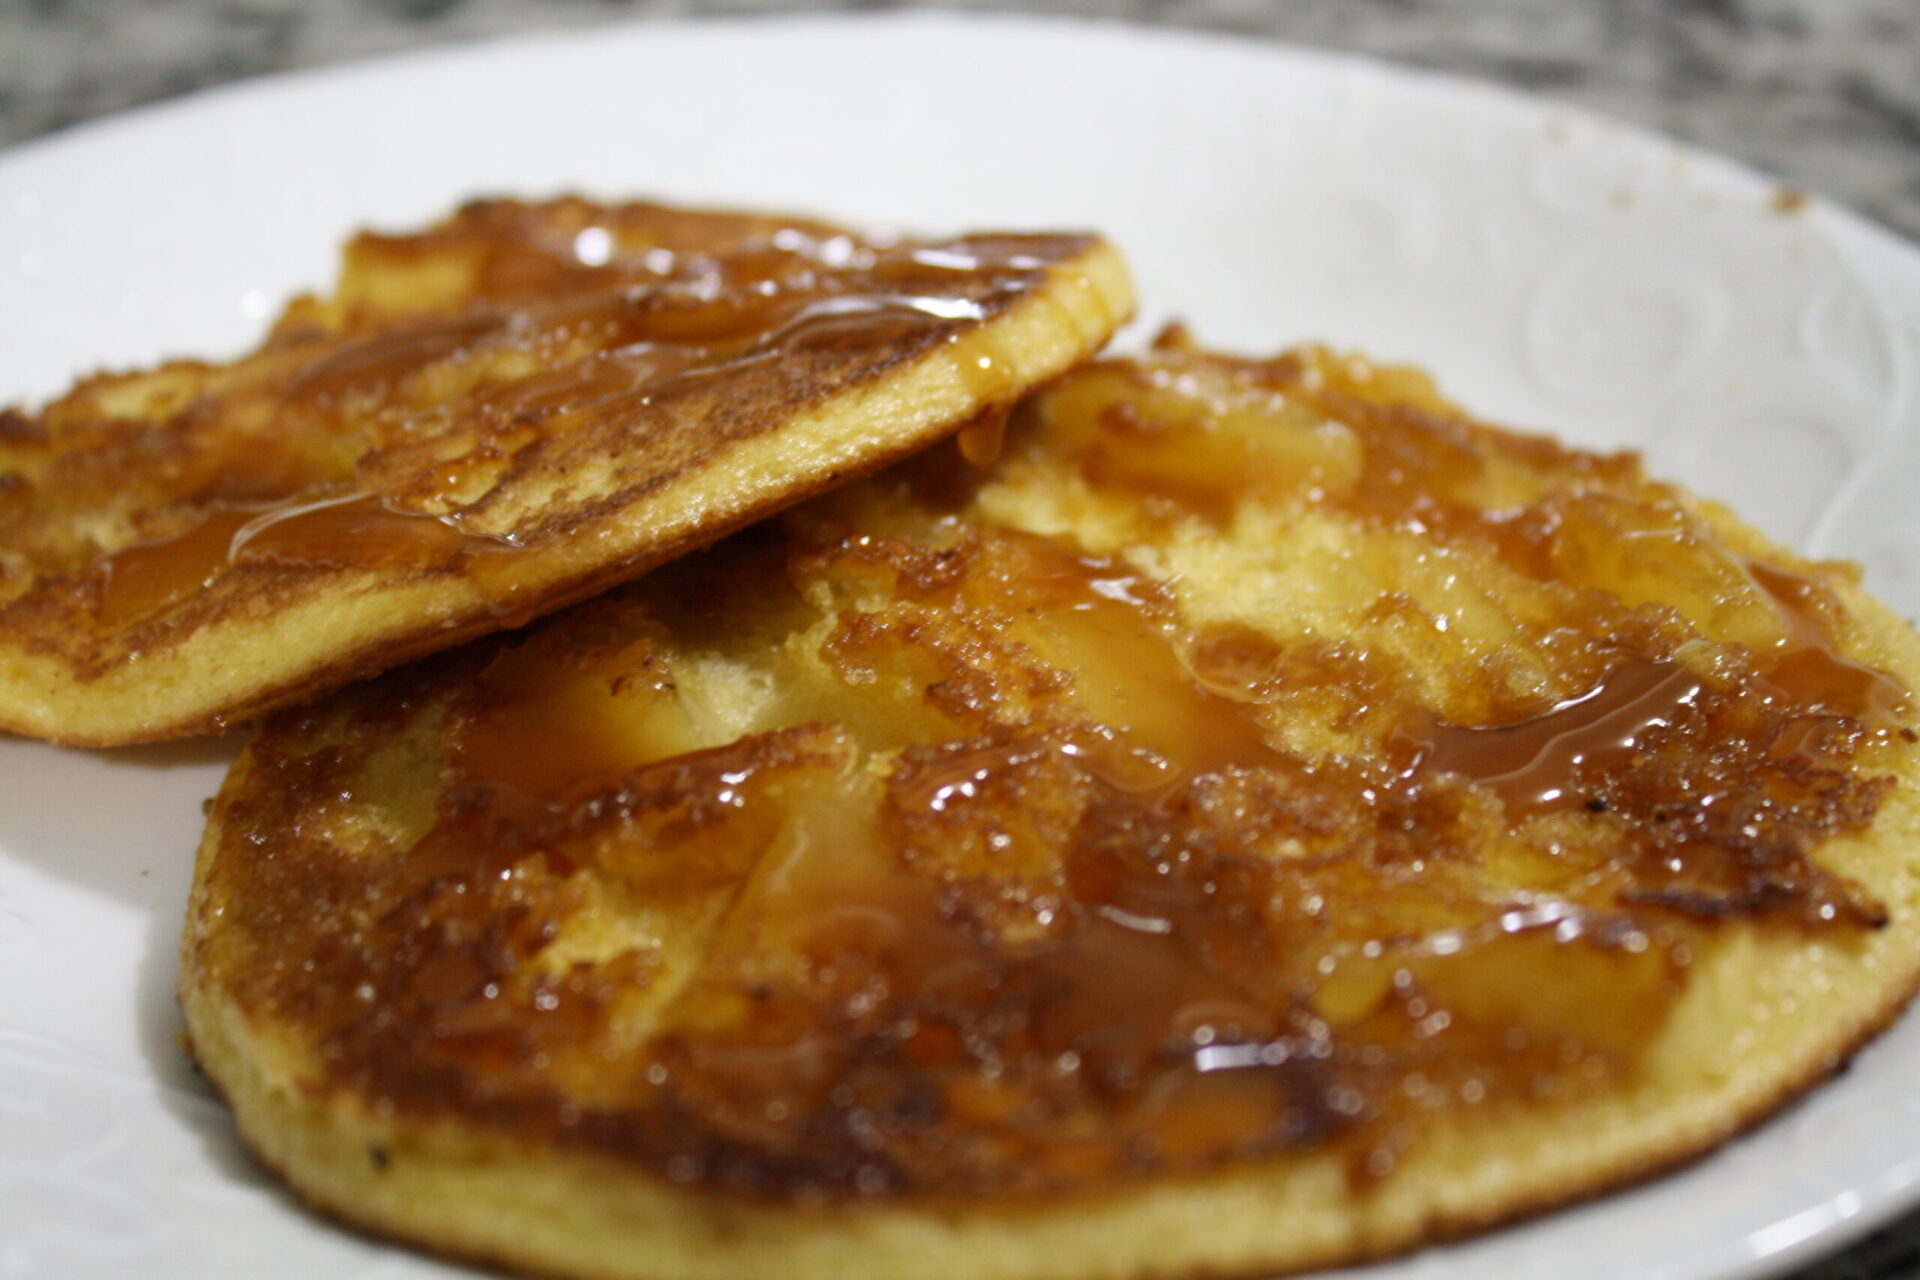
<point>1258,758</point>
<point>496,389</point>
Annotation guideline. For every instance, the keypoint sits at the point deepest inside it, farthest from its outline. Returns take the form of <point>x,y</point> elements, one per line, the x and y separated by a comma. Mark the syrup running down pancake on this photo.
<point>504,413</point>
<point>1245,816</point>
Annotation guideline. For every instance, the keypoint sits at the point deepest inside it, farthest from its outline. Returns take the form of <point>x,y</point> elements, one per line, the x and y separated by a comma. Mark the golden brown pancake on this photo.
<point>1264,819</point>
<point>504,413</point>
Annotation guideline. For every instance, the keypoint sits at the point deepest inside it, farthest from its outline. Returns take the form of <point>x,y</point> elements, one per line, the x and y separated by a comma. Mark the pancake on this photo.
<point>1262,818</point>
<point>501,414</point>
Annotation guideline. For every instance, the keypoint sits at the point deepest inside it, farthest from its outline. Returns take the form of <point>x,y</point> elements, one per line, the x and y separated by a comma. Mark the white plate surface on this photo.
<point>1553,270</point>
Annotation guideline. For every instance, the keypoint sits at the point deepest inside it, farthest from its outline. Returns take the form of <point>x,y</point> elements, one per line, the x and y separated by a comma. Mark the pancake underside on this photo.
<point>1765,1003</point>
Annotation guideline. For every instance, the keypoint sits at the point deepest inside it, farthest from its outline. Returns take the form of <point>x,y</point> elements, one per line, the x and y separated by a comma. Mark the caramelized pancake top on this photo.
<point>1258,758</point>
<point>531,399</point>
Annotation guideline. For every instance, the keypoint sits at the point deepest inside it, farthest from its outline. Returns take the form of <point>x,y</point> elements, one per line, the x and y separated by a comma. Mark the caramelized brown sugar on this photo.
<point>496,414</point>
<point>1256,759</point>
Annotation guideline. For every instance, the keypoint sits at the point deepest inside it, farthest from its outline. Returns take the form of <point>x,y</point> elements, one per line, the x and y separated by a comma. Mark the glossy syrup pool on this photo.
<point>906,849</point>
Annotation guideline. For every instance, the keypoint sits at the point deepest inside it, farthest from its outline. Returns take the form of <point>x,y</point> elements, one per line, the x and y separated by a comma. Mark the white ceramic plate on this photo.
<point>1554,270</point>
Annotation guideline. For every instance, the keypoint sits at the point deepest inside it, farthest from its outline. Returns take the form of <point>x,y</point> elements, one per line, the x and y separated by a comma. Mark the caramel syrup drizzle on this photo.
<point>1096,927</point>
<point>616,339</point>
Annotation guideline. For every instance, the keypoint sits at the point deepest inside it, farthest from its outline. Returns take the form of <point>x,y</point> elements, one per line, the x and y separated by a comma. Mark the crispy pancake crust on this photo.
<point>1263,820</point>
<point>489,419</point>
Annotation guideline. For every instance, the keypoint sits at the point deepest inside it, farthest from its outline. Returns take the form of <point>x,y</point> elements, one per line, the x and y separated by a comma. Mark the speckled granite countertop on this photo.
<point>1825,94</point>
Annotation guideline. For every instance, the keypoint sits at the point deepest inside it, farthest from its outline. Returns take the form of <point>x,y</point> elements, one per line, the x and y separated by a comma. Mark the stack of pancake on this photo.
<point>965,808</point>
